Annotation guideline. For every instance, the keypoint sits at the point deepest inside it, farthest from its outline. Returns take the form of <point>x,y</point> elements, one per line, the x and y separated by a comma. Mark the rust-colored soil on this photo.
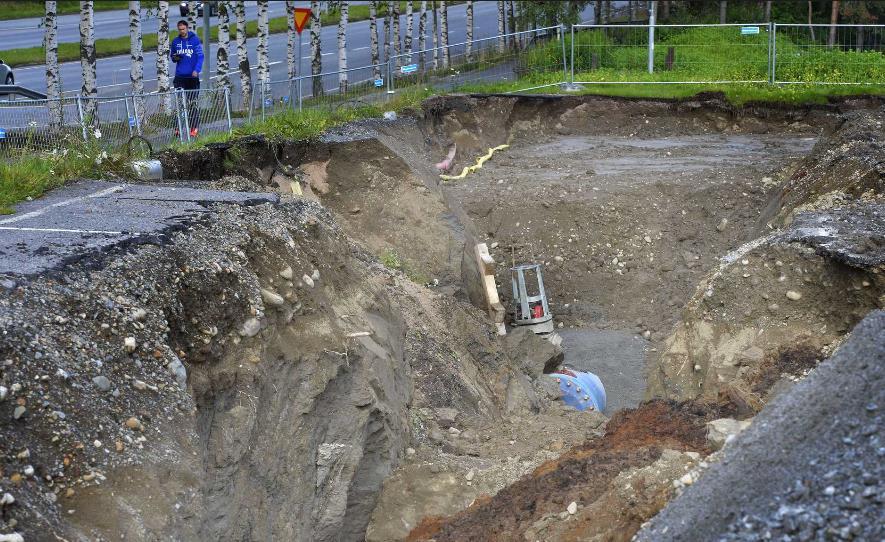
<point>634,438</point>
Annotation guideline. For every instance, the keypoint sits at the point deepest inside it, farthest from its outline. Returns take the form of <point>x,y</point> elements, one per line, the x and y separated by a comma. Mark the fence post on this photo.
<point>128,113</point>
<point>772,65</point>
<point>389,76</point>
<point>80,114</point>
<point>572,78</point>
<point>178,119</point>
<point>300,93</point>
<point>565,70</point>
<point>651,37</point>
<point>230,126</point>
<point>186,134</point>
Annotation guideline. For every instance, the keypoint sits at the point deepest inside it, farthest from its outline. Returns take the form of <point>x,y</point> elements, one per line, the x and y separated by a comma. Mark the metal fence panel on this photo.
<point>691,53</point>
<point>842,54</point>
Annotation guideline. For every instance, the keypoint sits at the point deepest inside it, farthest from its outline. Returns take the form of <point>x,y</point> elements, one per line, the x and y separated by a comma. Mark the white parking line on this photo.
<point>59,230</point>
<point>38,212</point>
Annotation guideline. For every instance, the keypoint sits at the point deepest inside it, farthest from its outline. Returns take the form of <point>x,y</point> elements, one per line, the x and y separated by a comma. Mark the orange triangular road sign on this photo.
<point>301,17</point>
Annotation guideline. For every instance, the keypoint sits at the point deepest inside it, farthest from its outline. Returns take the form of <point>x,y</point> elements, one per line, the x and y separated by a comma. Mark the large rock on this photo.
<point>721,431</point>
<point>532,353</point>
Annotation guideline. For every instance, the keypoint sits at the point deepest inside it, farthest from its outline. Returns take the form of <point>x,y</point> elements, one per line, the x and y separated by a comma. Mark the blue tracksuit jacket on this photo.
<point>191,51</point>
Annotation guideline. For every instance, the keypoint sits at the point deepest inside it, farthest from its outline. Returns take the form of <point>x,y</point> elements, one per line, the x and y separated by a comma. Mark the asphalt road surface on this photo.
<point>86,217</point>
<point>113,72</point>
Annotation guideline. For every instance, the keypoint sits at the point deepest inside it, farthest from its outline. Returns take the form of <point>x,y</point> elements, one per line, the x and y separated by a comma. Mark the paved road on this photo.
<point>89,216</point>
<point>113,72</point>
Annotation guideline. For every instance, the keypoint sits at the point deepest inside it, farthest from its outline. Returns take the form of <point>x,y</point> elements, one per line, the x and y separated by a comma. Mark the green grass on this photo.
<point>29,175</point>
<point>21,9</point>
<point>70,51</point>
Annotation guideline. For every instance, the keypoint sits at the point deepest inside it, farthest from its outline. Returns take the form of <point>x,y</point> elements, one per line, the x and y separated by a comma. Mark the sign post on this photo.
<point>301,15</point>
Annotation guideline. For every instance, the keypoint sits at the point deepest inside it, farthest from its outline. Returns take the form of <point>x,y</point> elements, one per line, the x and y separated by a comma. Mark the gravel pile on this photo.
<point>811,467</point>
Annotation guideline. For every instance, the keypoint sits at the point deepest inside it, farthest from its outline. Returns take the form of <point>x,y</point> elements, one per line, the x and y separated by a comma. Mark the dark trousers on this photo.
<point>190,84</point>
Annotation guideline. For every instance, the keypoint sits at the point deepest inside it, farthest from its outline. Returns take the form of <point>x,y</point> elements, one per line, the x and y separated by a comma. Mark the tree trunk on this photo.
<point>164,84</point>
<point>435,37</point>
<point>444,33</point>
<point>397,43</point>
<point>501,27</point>
<point>387,21</point>
<point>136,57</point>
<point>422,31</point>
<point>87,61</point>
<point>810,27</point>
<point>511,23</point>
<point>192,15</point>
<point>597,12</point>
<point>222,57</point>
<point>291,36</point>
<point>342,48</point>
<point>316,63</point>
<point>53,76</point>
<point>243,55</point>
<point>768,11</point>
<point>468,48</point>
<point>834,20</point>
<point>630,11</point>
<point>665,10</point>
<point>860,40</point>
<point>410,28</point>
<point>723,11</point>
<point>373,39</point>
<point>608,12</point>
<point>261,51</point>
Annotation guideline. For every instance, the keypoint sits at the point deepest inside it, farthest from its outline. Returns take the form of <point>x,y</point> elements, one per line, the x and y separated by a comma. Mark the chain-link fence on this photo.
<point>841,54</point>
<point>506,57</point>
<point>697,53</point>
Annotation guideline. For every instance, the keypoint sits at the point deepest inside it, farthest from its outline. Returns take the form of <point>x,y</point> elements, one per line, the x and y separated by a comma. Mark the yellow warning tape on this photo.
<point>470,169</point>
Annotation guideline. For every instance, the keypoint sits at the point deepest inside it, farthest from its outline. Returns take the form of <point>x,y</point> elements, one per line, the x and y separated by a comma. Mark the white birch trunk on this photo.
<point>397,43</point>
<point>261,50</point>
<point>316,63</point>
<point>342,48</point>
<point>163,81</point>
<point>387,20</point>
<point>422,31</point>
<point>192,15</point>
<point>242,55</point>
<point>223,54</point>
<point>87,61</point>
<point>468,48</point>
<point>291,36</point>
<point>435,37</point>
<point>373,39</point>
<point>410,29</point>
<point>53,79</point>
<point>444,33</point>
<point>511,22</point>
<point>501,29</point>
<point>136,57</point>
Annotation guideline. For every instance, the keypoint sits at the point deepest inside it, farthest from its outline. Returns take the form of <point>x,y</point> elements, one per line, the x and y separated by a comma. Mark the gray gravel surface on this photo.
<point>811,467</point>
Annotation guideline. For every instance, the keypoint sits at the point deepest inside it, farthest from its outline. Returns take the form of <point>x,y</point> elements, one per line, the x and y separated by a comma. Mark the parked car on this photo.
<point>213,9</point>
<point>6,75</point>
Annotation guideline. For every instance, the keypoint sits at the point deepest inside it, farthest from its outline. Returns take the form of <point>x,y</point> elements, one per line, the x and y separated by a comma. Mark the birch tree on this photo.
<point>163,81</point>
<point>387,21</point>
<point>768,11</point>
<point>468,47</point>
<point>136,57</point>
<point>53,79</point>
<point>342,47</point>
<point>723,11</point>
<point>397,43</point>
<point>192,15</point>
<point>316,63</point>
<point>87,60</point>
<point>410,27</point>
<point>597,12</point>
<point>261,50</point>
<point>435,37</point>
<point>501,29</point>
<point>291,36</point>
<point>511,22</point>
<point>373,39</point>
<point>834,19</point>
<point>444,33</point>
<point>422,31</point>
<point>222,56</point>
<point>243,54</point>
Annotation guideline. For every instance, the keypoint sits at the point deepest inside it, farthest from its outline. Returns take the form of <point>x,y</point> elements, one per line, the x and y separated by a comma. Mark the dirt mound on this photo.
<point>826,480</point>
<point>634,439</point>
<point>807,284</point>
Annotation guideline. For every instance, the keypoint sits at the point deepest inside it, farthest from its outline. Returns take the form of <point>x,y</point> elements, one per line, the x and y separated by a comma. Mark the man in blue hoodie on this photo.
<point>187,53</point>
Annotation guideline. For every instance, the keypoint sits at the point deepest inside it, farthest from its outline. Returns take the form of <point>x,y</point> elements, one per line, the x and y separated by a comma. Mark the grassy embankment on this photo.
<point>22,9</point>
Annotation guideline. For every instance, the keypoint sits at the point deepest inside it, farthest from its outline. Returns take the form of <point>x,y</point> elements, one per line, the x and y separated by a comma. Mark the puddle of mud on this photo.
<point>617,357</point>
